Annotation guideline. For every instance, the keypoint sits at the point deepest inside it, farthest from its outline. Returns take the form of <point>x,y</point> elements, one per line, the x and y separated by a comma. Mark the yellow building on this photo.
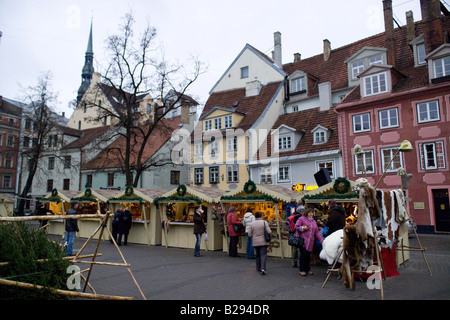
<point>234,121</point>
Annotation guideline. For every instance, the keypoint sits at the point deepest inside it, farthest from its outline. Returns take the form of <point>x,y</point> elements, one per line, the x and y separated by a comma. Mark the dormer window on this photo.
<point>418,46</point>
<point>320,134</point>
<point>357,68</point>
<point>298,85</point>
<point>362,60</point>
<point>442,67</point>
<point>285,143</point>
<point>439,64</point>
<point>375,84</point>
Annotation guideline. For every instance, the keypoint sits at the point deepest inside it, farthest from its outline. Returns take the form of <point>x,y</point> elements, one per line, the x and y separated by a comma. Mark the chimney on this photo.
<point>325,100</point>
<point>326,49</point>
<point>276,54</point>
<point>252,88</point>
<point>63,114</point>
<point>410,27</point>
<point>185,111</point>
<point>433,33</point>
<point>297,57</point>
<point>389,32</point>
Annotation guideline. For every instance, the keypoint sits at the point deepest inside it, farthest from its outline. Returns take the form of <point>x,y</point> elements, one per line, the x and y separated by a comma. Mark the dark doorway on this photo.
<point>441,209</point>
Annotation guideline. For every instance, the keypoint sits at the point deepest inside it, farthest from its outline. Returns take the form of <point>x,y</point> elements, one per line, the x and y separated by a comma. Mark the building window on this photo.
<point>213,147</point>
<point>228,121</point>
<point>232,144</point>
<point>198,149</point>
<point>213,174</point>
<point>441,67</point>
<point>375,84</point>
<point>364,162</point>
<point>111,179</point>
<point>49,185</point>
<point>361,122</point>
<point>266,175</point>
<point>320,137</point>
<point>298,85</point>
<point>388,118</point>
<point>294,108</point>
<point>175,177</point>
<point>66,184</point>
<point>378,59</point>
<point>232,173</point>
<point>386,156</point>
<point>8,162</point>
<point>208,125</point>
<point>67,162</point>
<point>420,53</point>
<point>198,175</point>
<point>357,68</point>
<point>244,72</point>
<point>329,165</point>
<point>432,155</point>
<point>285,143</point>
<point>89,181</point>
<point>284,173</point>
<point>218,123</point>
<point>6,181</point>
<point>428,111</point>
<point>11,122</point>
<point>10,141</point>
<point>51,163</point>
<point>79,125</point>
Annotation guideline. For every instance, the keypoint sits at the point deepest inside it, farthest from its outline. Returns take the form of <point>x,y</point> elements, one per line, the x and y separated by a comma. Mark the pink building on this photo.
<point>405,97</point>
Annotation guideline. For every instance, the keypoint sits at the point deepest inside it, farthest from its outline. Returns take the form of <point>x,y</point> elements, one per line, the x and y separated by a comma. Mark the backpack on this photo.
<point>290,223</point>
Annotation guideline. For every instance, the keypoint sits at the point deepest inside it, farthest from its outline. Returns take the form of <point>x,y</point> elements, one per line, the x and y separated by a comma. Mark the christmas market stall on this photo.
<point>57,202</point>
<point>93,201</point>
<point>146,227</point>
<point>271,200</point>
<point>176,209</point>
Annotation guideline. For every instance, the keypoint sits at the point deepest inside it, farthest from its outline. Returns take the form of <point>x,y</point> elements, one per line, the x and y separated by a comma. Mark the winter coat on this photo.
<point>124,224</point>
<point>248,219</point>
<point>308,235</point>
<point>232,219</point>
<point>336,219</point>
<point>71,225</point>
<point>256,232</point>
<point>199,225</point>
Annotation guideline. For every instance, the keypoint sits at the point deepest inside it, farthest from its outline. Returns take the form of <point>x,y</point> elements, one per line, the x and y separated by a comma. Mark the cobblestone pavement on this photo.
<point>175,274</point>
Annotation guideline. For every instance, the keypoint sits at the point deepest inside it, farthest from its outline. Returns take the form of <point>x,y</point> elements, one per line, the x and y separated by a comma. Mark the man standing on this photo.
<point>71,226</point>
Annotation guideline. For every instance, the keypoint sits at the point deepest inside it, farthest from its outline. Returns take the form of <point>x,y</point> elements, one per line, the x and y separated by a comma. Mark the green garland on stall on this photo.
<point>129,199</point>
<point>331,196</point>
<point>249,187</point>
<point>57,200</point>
<point>79,199</point>
<point>250,198</point>
<point>181,190</point>
<point>157,200</point>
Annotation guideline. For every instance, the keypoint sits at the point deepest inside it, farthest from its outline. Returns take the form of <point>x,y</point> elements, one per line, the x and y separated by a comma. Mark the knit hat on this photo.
<point>300,209</point>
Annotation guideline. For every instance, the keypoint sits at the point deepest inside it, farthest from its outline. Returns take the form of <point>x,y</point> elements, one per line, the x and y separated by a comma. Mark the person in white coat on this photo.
<point>247,221</point>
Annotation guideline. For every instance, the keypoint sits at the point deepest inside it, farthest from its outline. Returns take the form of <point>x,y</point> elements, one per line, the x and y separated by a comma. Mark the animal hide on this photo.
<point>351,256</point>
<point>332,246</point>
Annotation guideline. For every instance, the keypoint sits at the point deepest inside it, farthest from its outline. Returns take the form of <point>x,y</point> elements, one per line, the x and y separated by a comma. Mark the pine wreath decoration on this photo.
<point>341,185</point>
<point>88,193</point>
<point>129,191</point>
<point>249,187</point>
<point>54,192</point>
<point>181,190</point>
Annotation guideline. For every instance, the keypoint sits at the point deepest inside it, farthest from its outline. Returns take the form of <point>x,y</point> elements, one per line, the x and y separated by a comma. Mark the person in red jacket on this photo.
<point>232,220</point>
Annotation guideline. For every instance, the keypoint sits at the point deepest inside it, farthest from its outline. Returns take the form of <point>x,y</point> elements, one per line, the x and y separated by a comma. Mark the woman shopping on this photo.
<point>306,228</point>
<point>256,232</point>
<point>199,229</point>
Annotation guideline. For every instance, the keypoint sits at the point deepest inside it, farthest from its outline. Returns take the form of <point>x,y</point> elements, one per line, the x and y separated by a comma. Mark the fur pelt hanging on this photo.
<point>351,257</point>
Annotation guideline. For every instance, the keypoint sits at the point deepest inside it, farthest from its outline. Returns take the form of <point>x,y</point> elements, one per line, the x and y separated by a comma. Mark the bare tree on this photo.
<point>38,101</point>
<point>135,71</point>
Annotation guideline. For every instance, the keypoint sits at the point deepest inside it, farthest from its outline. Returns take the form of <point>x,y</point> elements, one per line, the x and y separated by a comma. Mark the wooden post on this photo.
<point>162,220</point>
<point>279,230</point>
<point>225,226</point>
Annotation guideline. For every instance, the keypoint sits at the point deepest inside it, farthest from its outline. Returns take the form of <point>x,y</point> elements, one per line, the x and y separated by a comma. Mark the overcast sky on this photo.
<point>43,35</point>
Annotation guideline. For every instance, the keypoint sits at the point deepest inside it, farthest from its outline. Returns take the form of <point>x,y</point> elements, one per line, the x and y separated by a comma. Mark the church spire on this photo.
<point>88,69</point>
